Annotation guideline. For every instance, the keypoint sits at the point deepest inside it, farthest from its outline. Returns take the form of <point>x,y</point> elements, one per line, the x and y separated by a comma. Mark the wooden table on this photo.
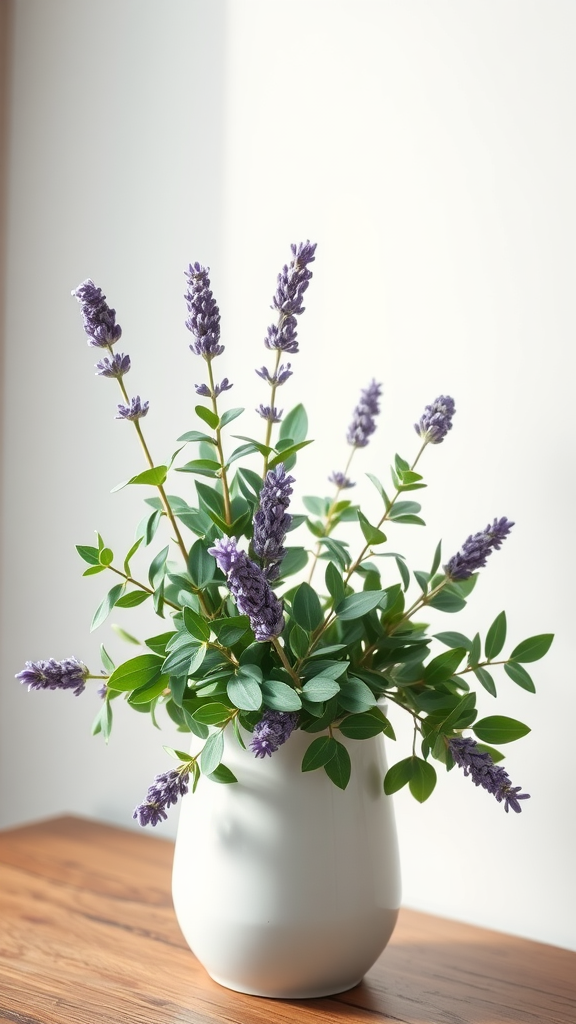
<point>88,936</point>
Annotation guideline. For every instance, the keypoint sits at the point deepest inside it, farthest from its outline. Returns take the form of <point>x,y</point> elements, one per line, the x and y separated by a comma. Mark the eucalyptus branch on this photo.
<point>141,586</point>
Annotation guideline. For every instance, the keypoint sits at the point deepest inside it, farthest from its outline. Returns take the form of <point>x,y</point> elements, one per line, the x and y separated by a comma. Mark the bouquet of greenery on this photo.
<point>246,646</point>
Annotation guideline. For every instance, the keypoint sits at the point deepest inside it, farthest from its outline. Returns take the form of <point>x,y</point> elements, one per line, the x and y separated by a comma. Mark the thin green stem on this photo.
<point>141,586</point>
<point>329,518</point>
<point>282,655</point>
<point>268,436</point>
<point>223,477</point>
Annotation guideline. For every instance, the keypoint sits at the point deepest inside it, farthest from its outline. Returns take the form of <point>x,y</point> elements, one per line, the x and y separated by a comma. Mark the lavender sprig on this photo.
<point>436,420</point>
<point>99,319</point>
<point>273,729</point>
<point>476,548</point>
<point>293,280</point>
<point>204,316</point>
<point>117,366</point>
<point>250,589</point>
<point>272,521</point>
<point>481,768</point>
<point>135,411</point>
<point>270,413</point>
<point>163,793</point>
<point>363,423</point>
<point>206,392</point>
<point>279,377</point>
<point>341,480</point>
<point>69,674</point>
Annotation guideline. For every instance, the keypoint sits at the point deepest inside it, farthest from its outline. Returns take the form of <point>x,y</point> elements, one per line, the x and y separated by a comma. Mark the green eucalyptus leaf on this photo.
<point>294,560</point>
<point>372,534</point>
<point>475,650</point>
<point>106,659</point>
<point>422,780</point>
<point>356,605</point>
<point>124,635</point>
<point>136,672</point>
<point>320,688</point>
<point>532,649</point>
<point>496,637</point>
<point>229,415</point>
<point>443,666</point>
<point>279,696</point>
<point>520,676</point>
<point>286,453</point>
<point>105,607</point>
<point>195,625</point>
<point>334,583</point>
<point>201,565</point>
<point>148,691</point>
<point>230,630</point>
<point>317,506</point>
<point>299,640</point>
<point>339,767</point>
<point>486,680</point>
<point>222,773</point>
<point>398,776</point>
<point>132,599</point>
<point>355,696</point>
<point>208,416</point>
<point>320,751</point>
<point>196,435</point>
<point>437,558</point>
<point>454,639</point>
<point>212,714</point>
<point>130,554</point>
<point>361,727</point>
<point>158,566</point>
<point>306,608</point>
<point>88,553</point>
<point>245,692</point>
<point>94,569</point>
<point>155,476</point>
<point>212,753</point>
<point>294,425</point>
<point>500,729</point>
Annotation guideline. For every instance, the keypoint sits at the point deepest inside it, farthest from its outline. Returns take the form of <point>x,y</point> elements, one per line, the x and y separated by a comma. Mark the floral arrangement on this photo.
<point>249,650</point>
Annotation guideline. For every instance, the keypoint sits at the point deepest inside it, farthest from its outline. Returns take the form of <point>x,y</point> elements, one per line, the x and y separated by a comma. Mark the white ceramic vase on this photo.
<point>283,884</point>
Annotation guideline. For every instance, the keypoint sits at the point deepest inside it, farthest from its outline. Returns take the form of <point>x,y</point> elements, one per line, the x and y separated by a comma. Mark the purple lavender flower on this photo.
<point>270,412</point>
<point>436,420</point>
<point>363,425</point>
<point>292,282</point>
<point>341,480</point>
<point>69,674</point>
<point>99,320</point>
<point>163,793</point>
<point>102,690</point>
<point>115,367</point>
<point>204,390</point>
<point>135,411</point>
<point>250,589</point>
<point>204,319</point>
<point>280,377</point>
<point>476,548</point>
<point>272,731</point>
<point>272,521</point>
<point>481,768</point>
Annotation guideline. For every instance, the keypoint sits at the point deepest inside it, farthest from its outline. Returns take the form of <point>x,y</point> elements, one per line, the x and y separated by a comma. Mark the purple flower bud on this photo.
<point>163,793</point>
<point>476,548</point>
<point>481,768</point>
<point>204,390</point>
<point>341,480</point>
<point>204,319</point>
<point>271,521</point>
<point>102,690</point>
<point>280,377</point>
<point>436,420</point>
<point>363,425</point>
<point>99,320</point>
<point>250,589</point>
<point>270,412</point>
<point>292,282</point>
<point>115,367</point>
<point>69,674</point>
<point>135,411</point>
<point>273,729</point>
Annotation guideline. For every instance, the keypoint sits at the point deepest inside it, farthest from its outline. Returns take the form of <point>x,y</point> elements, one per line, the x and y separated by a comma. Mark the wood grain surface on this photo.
<point>88,935</point>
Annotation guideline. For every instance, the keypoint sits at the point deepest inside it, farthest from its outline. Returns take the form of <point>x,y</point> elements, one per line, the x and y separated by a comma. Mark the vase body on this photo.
<point>283,884</point>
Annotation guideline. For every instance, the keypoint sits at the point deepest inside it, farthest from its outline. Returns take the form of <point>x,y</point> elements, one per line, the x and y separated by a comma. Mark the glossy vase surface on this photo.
<point>284,885</point>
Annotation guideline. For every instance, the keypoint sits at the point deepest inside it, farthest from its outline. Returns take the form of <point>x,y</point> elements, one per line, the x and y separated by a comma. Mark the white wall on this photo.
<point>427,148</point>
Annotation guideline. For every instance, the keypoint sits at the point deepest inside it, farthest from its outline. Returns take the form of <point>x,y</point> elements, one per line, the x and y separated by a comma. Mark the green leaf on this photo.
<point>334,583</point>
<point>436,560</point>
<point>423,779</point>
<point>212,714</point>
<point>404,571</point>
<point>106,556</point>
<point>208,416</point>
<point>103,721</point>
<point>201,565</point>
<point>103,610</point>
<point>317,506</point>
<point>148,691</point>
<point>447,602</point>
<point>222,774</point>
<point>320,688</point>
<point>404,508</point>
<point>279,696</point>
<point>136,672</point>
<point>211,498</point>
<point>379,487</point>
<point>306,608</point>
<point>496,637</point>
<point>422,579</point>
<point>212,752</point>
<point>130,554</point>
<point>532,649</point>
<point>475,650</point>
<point>320,751</point>
<point>127,637</point>
<point>106,659</point>
<point>244,692</point>
<point>286,453</point>
<point>443,666</point>
<point>356,605</point>
<point>93,570</point>
<point>486,680</point>
<point>454,640</point>
<point>229,415</point>
<point>355,696</point>
<point>372,534</point>
<point>398,776</point>
<point>361,727</point>
<point>155,476</point>
<point>339,767</point>
<point>89,554</point>
<point>295,425</point>
<point>202,467</point>
<point>337,550</point>
<point>499,729</point>
<point>299,640</point>
<point>230,630</point>
<point>196,435</point>
<point>195,625</point>
<point>158,566</point>
<point>520,676</point>
<point>131,600</point>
